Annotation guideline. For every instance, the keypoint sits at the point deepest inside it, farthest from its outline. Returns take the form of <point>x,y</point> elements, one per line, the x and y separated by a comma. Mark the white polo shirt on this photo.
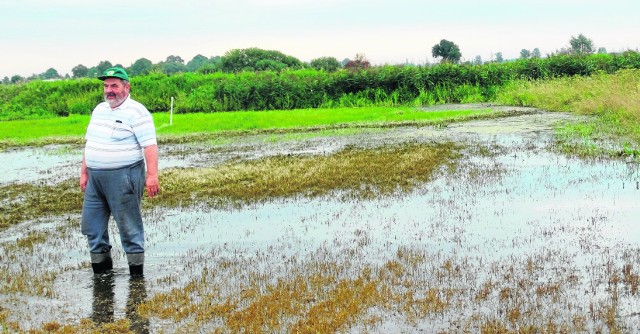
<point>117,137</point>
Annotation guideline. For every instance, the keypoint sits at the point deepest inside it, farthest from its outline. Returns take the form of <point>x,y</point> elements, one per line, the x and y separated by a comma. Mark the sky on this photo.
<point>36,35</point>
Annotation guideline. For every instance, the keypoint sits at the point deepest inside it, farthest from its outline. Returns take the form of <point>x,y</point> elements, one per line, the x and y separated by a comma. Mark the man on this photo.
<point>119,139</point>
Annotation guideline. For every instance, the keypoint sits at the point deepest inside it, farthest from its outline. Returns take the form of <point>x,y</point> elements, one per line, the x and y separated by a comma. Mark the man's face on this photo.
<point>115,91</point>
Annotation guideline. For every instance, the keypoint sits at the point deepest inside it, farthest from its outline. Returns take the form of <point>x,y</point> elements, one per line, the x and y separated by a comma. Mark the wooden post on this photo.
<point>171,114</point>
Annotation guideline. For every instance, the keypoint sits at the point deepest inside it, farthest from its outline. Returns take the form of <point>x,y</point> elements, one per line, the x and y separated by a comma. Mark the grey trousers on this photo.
<point>116,192</point>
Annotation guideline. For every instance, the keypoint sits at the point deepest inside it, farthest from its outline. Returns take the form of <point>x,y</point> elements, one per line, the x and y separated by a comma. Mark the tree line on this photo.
<point>255,59</point>
<point>305,87</point>
<point>578,45</point>
<point>237,60</point>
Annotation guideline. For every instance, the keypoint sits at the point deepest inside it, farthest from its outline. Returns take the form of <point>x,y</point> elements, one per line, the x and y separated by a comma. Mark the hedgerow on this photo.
<point>305,88</point>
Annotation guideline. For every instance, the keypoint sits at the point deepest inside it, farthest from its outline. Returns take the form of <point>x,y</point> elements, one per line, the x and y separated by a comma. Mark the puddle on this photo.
<point>37,164</point>
<point>522,204</point>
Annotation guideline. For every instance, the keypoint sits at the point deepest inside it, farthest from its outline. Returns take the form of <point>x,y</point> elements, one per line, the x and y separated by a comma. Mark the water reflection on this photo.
<point>103,298</point>
<point>137,295</point>
<point>104,301</point>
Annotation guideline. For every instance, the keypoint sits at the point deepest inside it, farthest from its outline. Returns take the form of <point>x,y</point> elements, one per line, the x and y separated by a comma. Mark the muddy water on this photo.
<point>522,203</point>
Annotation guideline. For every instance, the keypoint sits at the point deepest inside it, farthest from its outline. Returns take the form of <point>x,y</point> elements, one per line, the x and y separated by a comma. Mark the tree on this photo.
<point>196,63</point>
<point>477,60</point>
<point>16,79</point>
<point>581,45</point>
<point>173,64</point>
<point>360,63</point>
<point>602,50</point>
<point>524,54</point>
<point>328,64</point>
<point>448,50</point>
<point>536,53</point>
<point>213,64</point>
<point>237,60</point>
<point>103,66</point>
<point>50,74</point>
<point>499,58</point>
<point>174,59</point>
<point>79,71</point>
<point>93,72</point>
<point>172,68</point>
<point>141,66</point>
<point>6,80</point>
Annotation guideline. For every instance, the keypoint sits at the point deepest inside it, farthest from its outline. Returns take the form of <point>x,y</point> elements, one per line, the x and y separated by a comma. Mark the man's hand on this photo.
<point>83,182</point>
<point>152,185</point>
<point>84,178</point>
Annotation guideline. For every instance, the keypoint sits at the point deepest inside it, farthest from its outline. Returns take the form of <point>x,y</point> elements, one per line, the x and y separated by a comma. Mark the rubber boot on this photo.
<point>101,263</point>
<point>136,263</point>
<point>136,271</point>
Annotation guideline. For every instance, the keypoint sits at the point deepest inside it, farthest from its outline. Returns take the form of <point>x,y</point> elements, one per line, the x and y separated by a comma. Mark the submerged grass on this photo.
<point>25,282</point>
<point>327,300</point>
<point>23,202</point>
<point>614,100</point>
<point>363,173</point>
<point>328,294</point>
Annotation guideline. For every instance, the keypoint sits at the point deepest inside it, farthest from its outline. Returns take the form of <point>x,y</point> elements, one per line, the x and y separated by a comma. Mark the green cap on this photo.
<point>114,72</point>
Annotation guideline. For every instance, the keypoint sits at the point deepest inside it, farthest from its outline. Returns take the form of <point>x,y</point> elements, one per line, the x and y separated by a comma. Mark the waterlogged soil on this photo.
<point>518,235</point>
<point>55,163</point>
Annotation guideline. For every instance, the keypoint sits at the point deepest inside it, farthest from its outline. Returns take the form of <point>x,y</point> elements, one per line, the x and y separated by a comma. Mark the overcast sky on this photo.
<point>36,35</point>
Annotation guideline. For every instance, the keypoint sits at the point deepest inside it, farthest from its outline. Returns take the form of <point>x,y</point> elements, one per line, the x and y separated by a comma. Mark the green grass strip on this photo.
<point>72,128</point>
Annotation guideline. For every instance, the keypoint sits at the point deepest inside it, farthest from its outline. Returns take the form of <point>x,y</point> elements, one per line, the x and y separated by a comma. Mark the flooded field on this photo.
<point>510,237</point>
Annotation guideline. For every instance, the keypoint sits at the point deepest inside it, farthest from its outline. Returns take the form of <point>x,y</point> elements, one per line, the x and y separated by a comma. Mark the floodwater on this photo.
<point>523,203</point>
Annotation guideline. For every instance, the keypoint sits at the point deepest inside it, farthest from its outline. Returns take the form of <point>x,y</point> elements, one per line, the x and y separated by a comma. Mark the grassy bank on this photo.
<point>613,100</point>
